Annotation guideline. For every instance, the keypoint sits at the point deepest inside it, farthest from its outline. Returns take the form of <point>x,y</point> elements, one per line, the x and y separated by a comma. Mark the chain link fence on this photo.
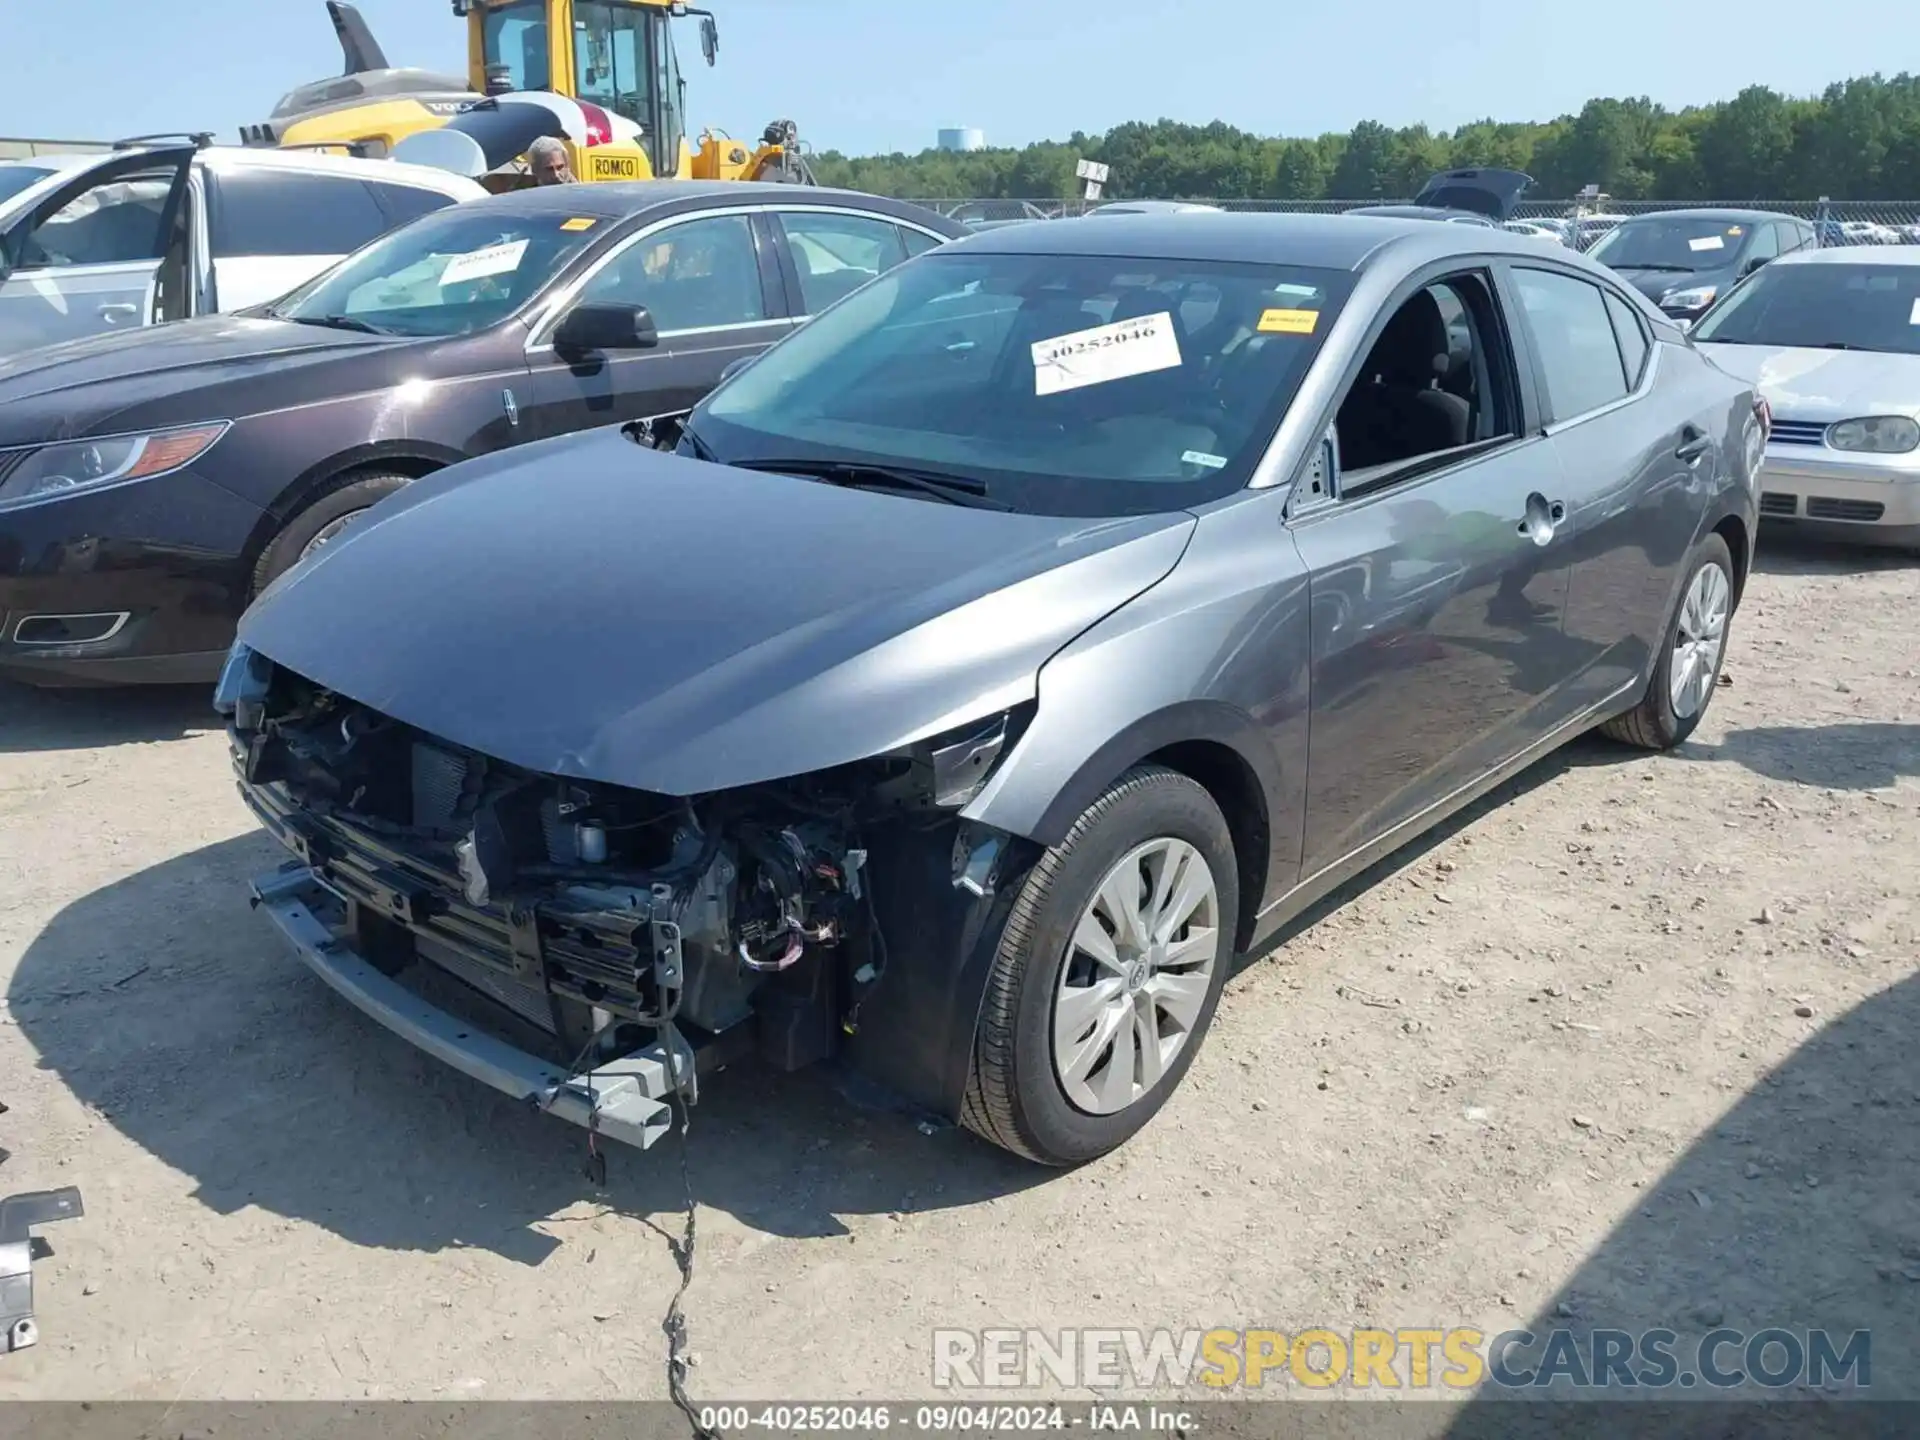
<point>1576,222</point>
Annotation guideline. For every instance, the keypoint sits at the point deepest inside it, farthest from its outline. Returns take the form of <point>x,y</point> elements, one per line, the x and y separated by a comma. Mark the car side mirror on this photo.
<point>593,329</point>
<point>734,367</point>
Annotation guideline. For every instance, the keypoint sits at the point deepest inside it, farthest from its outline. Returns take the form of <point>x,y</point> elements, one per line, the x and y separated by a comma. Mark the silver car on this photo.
<point>1001,655</point>
<point>1832,340</point>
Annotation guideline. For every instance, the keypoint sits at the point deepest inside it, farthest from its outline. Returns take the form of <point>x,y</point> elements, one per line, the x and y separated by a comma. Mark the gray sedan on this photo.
<point>1832,340</point>
<point>1001,655</point>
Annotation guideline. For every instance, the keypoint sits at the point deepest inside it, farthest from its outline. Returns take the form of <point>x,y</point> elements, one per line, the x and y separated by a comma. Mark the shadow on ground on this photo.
<point>1800,1211</point>
<point>1850,755</point>
<point>79,719</point>
<point>163,1002</point>
<point>1784,553</point>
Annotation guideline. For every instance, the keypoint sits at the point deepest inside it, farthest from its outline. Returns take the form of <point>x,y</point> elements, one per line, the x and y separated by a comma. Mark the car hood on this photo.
<point>590,608</point>
<point>79,387</point>
<point>1824,385</point>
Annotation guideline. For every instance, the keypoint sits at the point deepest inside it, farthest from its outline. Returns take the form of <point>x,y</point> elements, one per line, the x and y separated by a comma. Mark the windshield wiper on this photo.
<point>701,450</point>
<point>858,475</point>
<point>1668,269</point>
<point>334,322</point>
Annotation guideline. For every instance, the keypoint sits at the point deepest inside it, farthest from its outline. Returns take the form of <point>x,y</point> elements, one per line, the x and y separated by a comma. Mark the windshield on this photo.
<point>514,36</point>
<point>455,271</point>
<point>15,178</point>
<point>1662,243</point>
<point>613,56</point>
<point>1067,384</point>
<point>1859,306</point>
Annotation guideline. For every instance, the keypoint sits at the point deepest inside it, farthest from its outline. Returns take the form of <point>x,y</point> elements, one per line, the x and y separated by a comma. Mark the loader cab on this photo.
<point>616,54</point>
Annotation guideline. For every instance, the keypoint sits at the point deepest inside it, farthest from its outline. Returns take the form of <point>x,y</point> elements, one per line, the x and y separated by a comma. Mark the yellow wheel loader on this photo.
<point>601,76</point>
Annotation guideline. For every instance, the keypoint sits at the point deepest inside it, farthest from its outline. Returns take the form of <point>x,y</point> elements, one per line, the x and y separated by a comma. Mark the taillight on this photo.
<point>599,125</point>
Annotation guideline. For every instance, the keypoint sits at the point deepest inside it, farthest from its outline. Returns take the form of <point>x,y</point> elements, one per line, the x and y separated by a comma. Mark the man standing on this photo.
<point>547,159</point>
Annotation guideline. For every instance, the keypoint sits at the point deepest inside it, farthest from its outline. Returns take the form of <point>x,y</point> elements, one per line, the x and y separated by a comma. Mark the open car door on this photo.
<point>1489,192</point>
<point>110,249</point>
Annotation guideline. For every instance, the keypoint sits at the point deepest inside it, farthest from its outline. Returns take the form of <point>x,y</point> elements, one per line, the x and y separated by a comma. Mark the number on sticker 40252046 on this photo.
<point>1104,353</point>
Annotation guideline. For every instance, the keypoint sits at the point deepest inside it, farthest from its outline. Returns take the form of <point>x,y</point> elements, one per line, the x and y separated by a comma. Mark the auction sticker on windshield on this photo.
<point>1707,242</point>
<point>479,264</point>
<point>1289,322</point>
<point>1104,353</point>
<point>1914,318</point>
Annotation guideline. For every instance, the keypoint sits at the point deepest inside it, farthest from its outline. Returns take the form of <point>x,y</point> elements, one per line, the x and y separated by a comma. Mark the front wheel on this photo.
<point>1107,974</point>
<point>1690,658</point>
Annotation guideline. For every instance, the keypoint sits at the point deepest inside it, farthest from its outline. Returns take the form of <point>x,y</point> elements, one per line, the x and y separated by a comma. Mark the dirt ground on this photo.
<point>1633,1042</point>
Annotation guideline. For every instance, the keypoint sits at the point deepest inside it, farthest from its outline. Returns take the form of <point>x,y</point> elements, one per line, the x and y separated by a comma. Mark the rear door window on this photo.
<point>266,212</point>
<point>836,254</point>
<point>918,242</point>
<point>1574,342</point>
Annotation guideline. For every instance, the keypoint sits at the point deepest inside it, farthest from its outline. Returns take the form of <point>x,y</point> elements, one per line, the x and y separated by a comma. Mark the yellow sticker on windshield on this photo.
<point>579,224</point>
<point>1289,322</point>
<point>1735,230</point>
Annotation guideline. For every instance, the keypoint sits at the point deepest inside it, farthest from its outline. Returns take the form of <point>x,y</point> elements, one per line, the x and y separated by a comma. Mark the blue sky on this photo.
<point>867,75</point>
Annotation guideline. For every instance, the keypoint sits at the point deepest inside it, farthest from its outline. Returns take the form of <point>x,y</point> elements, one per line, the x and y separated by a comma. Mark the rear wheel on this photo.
<point>322,520</point>
<point>1107,974</point>
<point>1689,668</point>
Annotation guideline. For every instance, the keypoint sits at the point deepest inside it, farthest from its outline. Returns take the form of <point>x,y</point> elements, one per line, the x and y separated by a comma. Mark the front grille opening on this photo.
<point>1821,507</point>
<point>69,629</point>
<point>1797,432</point>
<point>1773,502</point>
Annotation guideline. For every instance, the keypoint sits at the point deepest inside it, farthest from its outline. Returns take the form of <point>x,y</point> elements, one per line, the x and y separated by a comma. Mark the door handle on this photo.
<point>1543,518</point>
<point>1694,448</point>
<point>114,314</point>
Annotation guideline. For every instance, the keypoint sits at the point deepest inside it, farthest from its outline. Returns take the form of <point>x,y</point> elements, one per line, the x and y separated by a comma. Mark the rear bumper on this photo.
<point>624,1099</point>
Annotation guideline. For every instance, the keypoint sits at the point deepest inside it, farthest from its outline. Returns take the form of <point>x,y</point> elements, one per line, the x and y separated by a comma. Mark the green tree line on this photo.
<point>1860,140</point>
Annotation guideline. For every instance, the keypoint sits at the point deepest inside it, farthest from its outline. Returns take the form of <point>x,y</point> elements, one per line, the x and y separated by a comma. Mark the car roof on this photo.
<point>1327,242</point>
<point>1855,255</point>
<point>617,199</point>
<point>1713,212</point>
<point>319,162</point>
<point>221,158</point>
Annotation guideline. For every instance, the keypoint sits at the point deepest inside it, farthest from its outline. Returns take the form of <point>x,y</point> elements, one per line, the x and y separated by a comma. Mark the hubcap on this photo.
<point>328,532</point>
<point>1697,644</point>
<point>1136,976</point>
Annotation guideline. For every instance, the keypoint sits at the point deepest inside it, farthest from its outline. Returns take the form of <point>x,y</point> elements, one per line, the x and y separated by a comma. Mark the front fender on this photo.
<point>1215,653</point>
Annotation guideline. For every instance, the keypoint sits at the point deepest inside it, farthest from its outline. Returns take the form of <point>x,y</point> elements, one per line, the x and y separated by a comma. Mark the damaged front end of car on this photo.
<point>590,950</point>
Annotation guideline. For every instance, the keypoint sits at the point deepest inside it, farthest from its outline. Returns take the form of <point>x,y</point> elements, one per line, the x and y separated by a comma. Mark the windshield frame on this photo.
<point>1726,258</point>
<point>1030,490</point>
<point>1778,274</point>
<point>564,266</point>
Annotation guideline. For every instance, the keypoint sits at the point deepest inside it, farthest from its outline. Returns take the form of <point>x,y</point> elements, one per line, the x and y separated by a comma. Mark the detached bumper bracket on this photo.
<point>18,1216</point>
<point>623,1099</point>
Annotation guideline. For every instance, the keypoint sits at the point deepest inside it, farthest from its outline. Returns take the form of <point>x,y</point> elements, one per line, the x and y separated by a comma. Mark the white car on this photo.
<point>168,230</point>
<point>1831,338</point>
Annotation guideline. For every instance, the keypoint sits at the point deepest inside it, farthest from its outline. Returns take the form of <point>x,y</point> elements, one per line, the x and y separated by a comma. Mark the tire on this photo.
<point>1656,723</point>
<point>1016,1094</point>
<point>353,494</point>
